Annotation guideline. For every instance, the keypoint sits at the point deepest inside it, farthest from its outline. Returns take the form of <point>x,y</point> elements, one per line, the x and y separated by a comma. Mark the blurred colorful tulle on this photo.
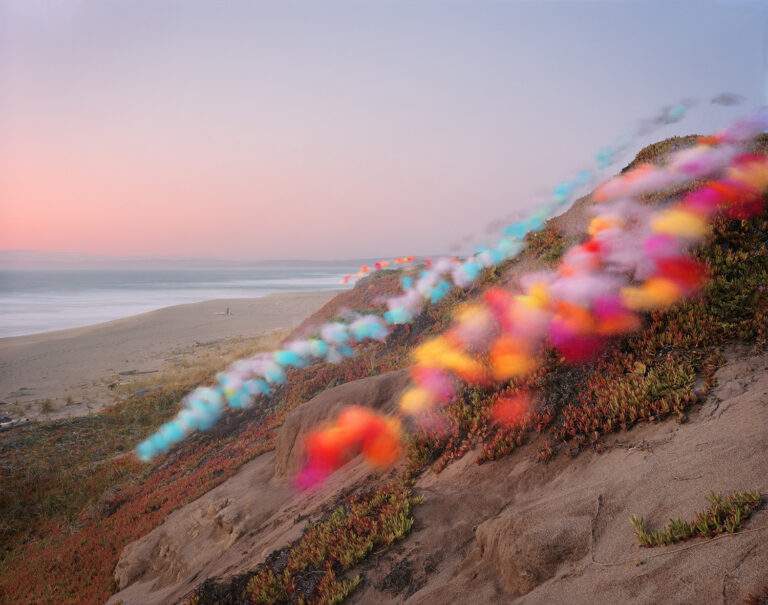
<point>509,411</point>
<point>357,430</point>
<point>634,259</point>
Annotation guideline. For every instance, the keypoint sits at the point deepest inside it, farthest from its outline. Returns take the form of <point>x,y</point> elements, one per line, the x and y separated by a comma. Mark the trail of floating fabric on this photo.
<point>248,379</point>
<point>589,297</point>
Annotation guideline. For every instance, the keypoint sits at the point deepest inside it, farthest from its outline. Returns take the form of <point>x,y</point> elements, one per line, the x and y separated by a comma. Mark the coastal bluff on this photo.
<point>513,530</point>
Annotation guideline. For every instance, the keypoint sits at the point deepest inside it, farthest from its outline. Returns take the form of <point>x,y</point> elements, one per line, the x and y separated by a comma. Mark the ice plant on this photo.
<point>722,515</point>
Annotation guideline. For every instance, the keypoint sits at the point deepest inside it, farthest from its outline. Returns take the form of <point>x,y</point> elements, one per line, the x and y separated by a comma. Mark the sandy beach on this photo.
<point>85,369</point>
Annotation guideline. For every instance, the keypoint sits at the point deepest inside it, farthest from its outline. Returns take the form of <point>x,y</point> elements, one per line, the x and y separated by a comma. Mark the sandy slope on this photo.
<point>83,362</point>
<point>561,533</point>
<point>238,523</point>
<point>514,530</point>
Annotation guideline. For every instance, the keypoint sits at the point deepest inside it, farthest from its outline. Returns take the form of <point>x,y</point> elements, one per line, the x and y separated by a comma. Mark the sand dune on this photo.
<point>511,531</point>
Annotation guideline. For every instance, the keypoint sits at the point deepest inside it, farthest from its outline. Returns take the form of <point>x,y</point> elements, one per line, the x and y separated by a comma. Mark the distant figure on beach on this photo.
<point>227,310</point>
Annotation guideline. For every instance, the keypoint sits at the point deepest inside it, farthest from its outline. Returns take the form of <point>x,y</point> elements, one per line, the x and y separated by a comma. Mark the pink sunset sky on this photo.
<point>262,130</point>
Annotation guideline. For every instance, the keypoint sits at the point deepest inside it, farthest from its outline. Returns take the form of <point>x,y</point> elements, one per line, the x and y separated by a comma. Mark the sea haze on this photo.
<point>33,301</point>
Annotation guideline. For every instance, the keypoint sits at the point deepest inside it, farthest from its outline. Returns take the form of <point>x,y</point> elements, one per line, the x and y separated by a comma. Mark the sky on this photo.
<point>329,130</point>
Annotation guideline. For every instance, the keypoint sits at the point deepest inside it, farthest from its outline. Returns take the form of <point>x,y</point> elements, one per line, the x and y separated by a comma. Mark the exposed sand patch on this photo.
<point>85,369</point>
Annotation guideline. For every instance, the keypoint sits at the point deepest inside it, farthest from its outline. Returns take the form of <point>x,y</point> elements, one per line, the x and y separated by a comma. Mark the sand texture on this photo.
<point>236,525</point>
<point>80,369</point>
<point>511,531</point>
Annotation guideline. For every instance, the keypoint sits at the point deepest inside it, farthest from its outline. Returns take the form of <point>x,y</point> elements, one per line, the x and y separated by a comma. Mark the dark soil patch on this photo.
<point>402,578</point>
<point>230,592</point>
<point>561,386</point>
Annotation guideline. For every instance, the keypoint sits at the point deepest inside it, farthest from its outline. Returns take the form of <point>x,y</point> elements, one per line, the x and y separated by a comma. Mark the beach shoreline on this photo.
<point>72,372</point>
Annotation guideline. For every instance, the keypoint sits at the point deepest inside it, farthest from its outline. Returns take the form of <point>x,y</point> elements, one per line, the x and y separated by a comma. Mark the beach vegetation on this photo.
<point>316,567</point>
<point>721,516</point>
<point>660,372</point>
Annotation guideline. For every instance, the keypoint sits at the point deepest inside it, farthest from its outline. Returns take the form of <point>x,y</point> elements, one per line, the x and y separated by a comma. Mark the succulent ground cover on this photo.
<point>362,522</point>
<point>313,569</point>
<point>657,373</point>
<point>724,514</point>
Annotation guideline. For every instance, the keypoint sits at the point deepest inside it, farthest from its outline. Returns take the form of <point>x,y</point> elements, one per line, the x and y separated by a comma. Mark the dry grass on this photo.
<point>46,406</point>
<point>200,362</point>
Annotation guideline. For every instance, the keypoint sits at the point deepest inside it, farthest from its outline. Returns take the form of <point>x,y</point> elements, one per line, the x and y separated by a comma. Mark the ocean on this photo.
<point>33,301</point>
